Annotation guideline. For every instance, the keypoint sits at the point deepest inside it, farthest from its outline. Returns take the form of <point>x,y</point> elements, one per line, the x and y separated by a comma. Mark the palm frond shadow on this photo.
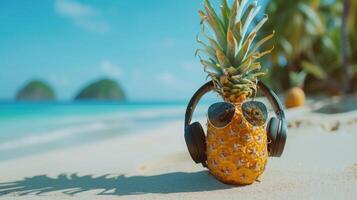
<point>339,105</point>
<point>72,184</point>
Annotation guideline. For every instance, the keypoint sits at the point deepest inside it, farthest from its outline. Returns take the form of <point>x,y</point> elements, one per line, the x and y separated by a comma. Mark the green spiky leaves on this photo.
<point>231,52</point>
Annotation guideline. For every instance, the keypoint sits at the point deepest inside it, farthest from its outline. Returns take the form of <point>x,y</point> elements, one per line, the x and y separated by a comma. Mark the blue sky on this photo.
<point>147,45</point>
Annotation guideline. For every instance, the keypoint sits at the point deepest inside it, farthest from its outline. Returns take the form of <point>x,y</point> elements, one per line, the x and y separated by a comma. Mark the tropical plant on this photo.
<point>345,46</point>
<point>308,39</point>
<point>353,42</point>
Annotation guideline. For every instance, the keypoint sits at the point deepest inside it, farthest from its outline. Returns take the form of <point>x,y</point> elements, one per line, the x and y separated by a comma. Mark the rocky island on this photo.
<point>36,90</point>
<point>103,89</point>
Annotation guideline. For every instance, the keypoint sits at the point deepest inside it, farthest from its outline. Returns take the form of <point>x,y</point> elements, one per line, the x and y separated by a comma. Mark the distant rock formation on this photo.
<point>36,90</point>
<point>104,89</point>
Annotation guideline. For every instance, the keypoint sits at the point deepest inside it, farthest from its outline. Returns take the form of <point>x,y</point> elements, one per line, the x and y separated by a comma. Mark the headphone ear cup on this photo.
<point>272,131</point>
<point>196,142</point>
<point>280,140</point>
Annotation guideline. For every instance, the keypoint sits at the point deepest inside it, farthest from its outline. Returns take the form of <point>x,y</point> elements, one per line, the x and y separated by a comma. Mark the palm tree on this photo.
<point>298,26</point>
<point>309,38</point>
<point>353,42</point>
<point>345,46</point>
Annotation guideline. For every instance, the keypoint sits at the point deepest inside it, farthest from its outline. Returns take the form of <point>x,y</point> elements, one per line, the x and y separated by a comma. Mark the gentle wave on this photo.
<point>68,127</point>
<point>83,124</point>
<point>147,114</point>
<point>42,138</point>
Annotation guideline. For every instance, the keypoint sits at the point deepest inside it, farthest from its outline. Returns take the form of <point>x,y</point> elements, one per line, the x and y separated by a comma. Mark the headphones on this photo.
<point>196,139</point>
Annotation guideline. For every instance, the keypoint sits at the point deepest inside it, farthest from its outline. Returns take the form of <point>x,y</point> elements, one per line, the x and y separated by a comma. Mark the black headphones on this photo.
<point>196,139</point>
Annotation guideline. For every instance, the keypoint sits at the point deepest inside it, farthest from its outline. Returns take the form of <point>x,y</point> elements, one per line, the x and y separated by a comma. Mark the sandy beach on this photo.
<point>320,162</point>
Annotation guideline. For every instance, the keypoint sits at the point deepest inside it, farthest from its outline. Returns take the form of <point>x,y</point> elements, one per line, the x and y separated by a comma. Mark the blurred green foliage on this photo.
<point>353,37</point>
<point>308,44</point>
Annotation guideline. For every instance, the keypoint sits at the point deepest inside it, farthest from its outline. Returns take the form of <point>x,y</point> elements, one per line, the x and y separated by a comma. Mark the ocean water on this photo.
<point>32,128</point>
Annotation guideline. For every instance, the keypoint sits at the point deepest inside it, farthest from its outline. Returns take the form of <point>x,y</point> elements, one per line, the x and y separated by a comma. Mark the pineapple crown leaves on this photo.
<point>231,54</point>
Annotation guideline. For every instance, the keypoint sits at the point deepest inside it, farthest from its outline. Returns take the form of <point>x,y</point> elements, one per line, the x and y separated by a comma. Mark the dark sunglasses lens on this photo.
<point>221,114</point>
<point>255,112</point>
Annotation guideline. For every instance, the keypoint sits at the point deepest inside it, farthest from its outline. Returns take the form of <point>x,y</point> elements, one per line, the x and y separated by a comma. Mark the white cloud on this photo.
<point>169,43</point>
<point>59,80</point>
<point>110,69</point>
<point>168,80</point>
<point>93,26</point>
<point>190,65</point>
<point>82,15</point>
<point>74,9</point>
<point>166,77</point>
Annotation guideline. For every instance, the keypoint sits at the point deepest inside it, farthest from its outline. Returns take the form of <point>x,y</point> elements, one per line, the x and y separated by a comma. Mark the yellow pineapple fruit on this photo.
<point>237,153</point>
<point>295,97</point>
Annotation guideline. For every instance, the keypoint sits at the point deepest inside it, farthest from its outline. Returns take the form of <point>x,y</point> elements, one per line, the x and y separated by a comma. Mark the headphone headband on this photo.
<point>272,97</point>
<point>195,100</point>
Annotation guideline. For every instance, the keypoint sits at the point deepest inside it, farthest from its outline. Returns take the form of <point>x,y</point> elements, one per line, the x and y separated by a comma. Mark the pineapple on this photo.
<point>237,153</point>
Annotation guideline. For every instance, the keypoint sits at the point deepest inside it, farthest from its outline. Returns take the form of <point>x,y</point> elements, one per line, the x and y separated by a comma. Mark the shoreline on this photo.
<point>155,164</point>
<point>42,133</point>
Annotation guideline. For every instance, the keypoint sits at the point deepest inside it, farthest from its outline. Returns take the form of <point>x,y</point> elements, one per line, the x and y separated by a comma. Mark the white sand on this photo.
<point>320,162</point>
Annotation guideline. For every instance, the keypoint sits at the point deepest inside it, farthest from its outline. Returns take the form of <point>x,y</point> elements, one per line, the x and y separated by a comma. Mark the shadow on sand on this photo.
<point>72,184</point>
<point>340,105</point>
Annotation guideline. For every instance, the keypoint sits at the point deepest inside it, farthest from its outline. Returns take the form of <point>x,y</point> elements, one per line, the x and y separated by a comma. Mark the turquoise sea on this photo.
<point>31,128</point>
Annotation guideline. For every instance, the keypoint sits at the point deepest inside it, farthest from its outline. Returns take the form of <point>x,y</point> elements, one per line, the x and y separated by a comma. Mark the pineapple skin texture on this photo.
<point>237,154</point>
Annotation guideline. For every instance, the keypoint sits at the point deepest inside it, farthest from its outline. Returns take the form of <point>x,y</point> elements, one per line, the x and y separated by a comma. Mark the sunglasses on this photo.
<point>221,114</point>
